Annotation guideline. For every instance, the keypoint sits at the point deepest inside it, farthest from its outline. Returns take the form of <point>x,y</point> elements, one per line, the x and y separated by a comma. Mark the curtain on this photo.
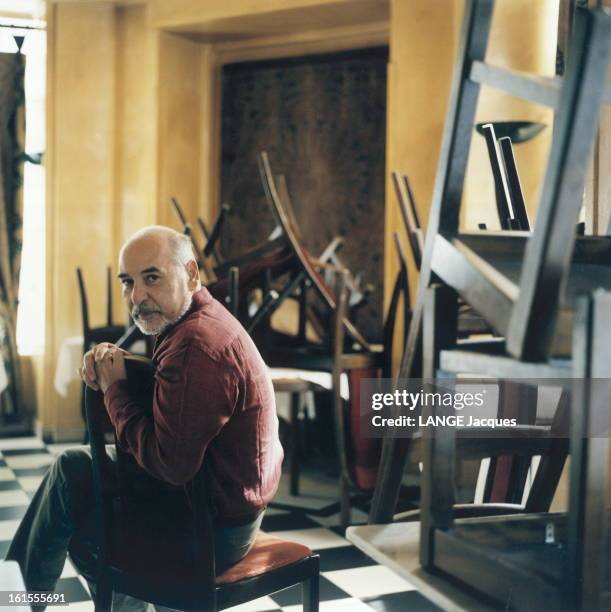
<point>12,140</point>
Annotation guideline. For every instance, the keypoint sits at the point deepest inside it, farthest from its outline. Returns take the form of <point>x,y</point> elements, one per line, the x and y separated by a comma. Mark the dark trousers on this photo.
<point>64,502</point>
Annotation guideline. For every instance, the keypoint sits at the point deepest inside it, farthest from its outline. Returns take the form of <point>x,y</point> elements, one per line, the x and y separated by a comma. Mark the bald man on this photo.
<point>213,402</point>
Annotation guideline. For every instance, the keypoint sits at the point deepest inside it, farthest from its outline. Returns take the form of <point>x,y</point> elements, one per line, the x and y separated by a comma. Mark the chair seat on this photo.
<point>157,543</point>
<point>297,381</point>
<point>497,259</point>
<point>267,554</point>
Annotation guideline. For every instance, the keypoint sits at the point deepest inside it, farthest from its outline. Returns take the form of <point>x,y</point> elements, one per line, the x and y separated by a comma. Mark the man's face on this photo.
<point>156,288</point>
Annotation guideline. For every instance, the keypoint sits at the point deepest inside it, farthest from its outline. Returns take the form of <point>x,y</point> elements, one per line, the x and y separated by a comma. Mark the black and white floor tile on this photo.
<point>350,581</point>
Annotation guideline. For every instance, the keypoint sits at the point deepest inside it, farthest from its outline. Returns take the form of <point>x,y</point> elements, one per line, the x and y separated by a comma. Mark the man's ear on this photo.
<point>193,273</point>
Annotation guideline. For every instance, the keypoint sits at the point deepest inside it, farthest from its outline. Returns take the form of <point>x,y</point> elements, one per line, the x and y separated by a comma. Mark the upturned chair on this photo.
<point>523,285</point>
<point>145,551</point>
<point>510,204</point>
<point>358,457</point>
<point>539,559</point>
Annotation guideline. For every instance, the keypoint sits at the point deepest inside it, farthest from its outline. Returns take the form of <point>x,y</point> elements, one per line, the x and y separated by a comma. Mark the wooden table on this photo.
<point>397,546</point>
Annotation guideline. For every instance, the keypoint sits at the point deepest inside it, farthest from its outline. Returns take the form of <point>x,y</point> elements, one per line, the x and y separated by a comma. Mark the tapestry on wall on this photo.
<point>322,121</point>
<point>12,133</point>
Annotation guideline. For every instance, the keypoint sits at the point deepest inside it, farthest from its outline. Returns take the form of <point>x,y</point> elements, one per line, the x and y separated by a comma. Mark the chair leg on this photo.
<point>345,512</point>
<point>103,595</point>
<point>86,436</point>
<point>294,467</point>
<point>311,596</point>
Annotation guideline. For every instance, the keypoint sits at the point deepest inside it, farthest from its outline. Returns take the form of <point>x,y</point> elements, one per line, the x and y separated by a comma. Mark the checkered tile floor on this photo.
<point>349,582</point>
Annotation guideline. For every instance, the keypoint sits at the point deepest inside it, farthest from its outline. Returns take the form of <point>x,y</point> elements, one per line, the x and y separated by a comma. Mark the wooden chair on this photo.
<point>283,264</point>
<point>306,264</point>
<point>358,458</point>
<point>506,476</point>
<point>538,560</point>
<point>524,286</point>
<point>139,550</point>
<point>508,184</point>
<point>209,255</point>
<point>328,261</point>
<point>291,381</point>
<point>104,333</point>
<point>470,323</point>
<point>94,335</point>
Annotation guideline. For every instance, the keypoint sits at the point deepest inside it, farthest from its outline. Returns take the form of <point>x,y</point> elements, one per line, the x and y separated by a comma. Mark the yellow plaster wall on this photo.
<point>180,100</point>
<point>133,120</point>
<point>136,187</point>
<point>124,134</point>
<point>423,37</point>
<point>187,12</point>
<point>137,130</point>
<point>80,171</point>
<point>522,37</point>
<point>210,134</point>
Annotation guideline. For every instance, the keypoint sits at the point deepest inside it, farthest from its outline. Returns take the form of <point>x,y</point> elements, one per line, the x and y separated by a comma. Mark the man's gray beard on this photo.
<point>155,331</point>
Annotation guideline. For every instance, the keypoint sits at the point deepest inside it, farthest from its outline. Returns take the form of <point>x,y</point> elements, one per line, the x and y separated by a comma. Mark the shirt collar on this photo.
<point>200,299</point>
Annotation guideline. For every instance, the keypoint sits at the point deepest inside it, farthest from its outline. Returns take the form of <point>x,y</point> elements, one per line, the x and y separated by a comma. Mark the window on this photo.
<point>31,312</point>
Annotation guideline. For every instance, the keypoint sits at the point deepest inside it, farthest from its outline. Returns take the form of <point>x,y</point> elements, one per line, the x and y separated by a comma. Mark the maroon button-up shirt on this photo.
<point>213,399</point>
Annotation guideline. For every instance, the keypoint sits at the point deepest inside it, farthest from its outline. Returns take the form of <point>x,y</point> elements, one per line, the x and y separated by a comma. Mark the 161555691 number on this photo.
<point>28,598</point>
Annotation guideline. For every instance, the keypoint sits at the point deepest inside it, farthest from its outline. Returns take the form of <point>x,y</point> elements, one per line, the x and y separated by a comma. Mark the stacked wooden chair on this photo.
<point>300,272</point>
<point>359,456</point>
<point>278,269</point>
<point>545,294</point>
<point>208,256</point>
<point>336,354</point>
<point>513,280</point>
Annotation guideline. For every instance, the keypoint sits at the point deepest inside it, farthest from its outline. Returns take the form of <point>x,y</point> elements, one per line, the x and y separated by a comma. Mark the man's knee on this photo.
<point>73,465</point>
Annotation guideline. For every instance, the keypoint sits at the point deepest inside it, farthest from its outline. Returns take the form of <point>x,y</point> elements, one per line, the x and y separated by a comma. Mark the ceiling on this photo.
<point>213,26</point>
<point>22,9</point>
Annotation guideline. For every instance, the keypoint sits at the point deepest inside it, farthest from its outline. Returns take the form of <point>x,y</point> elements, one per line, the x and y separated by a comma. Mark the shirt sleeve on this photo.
<point>194,396</point>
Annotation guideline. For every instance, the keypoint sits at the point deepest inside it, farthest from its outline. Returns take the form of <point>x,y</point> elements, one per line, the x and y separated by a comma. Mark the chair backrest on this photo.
<point>400,294</point>
<point>140,373</point>
<point>409,214</point>
<point>85,303</point>
<point>314,277</point>
<point>359,456</point>
<point>187,228</point>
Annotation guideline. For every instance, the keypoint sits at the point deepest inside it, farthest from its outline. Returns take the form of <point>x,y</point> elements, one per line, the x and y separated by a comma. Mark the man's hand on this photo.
<point>103,365</point>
